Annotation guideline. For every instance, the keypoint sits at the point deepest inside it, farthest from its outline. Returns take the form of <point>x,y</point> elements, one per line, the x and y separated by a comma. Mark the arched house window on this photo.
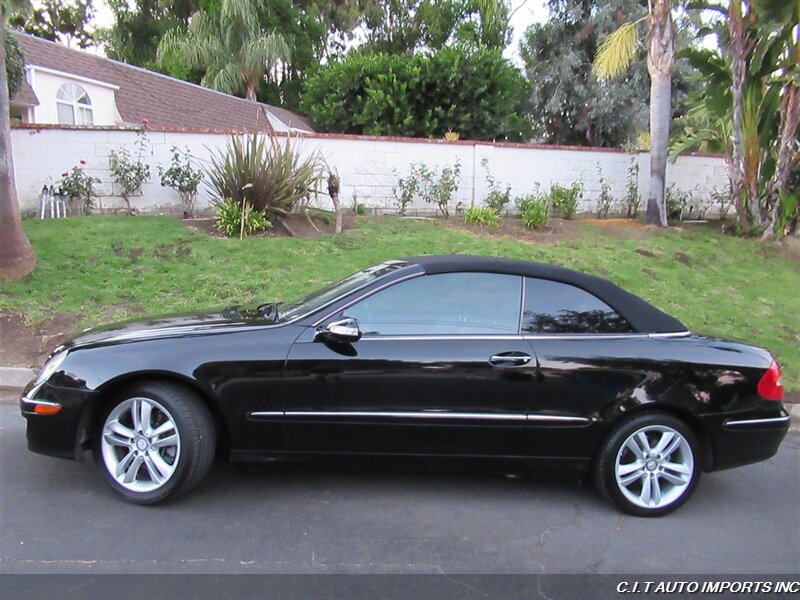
<point>74,105</point>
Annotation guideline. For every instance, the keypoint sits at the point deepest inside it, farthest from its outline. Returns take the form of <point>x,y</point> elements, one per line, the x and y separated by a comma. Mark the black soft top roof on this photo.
<point>643,316</point>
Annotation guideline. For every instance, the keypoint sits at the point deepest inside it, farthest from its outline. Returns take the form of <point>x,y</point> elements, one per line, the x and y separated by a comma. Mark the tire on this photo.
<point>154,441</point>
<point>649,466</point>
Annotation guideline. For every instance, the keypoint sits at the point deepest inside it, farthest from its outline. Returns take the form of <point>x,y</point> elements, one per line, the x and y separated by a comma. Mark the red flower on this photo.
<point>83,162</point>
<point>145,121</point>
<point>63,174</point>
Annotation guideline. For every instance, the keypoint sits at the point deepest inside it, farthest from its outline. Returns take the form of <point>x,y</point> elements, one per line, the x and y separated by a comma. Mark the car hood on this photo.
<point>171,325</point>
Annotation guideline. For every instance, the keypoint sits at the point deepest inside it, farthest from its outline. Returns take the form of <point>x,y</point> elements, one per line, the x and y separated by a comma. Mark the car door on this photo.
<point>589,356</point>
<point>441,368</point>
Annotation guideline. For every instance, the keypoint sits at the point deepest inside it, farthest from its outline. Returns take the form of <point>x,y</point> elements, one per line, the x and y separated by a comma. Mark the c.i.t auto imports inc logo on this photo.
<point>689,587</point>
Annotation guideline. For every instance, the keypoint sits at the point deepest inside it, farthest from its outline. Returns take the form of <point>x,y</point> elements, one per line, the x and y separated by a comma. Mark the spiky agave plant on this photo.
<point>260,170</point>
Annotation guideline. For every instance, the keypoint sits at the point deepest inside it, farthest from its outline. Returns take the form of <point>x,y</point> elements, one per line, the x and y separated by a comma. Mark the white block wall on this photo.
<point>368,166</point>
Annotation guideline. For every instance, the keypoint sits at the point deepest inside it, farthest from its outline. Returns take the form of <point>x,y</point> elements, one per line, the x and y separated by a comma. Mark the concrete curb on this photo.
<point>794,412</point>
<point>16,377</point>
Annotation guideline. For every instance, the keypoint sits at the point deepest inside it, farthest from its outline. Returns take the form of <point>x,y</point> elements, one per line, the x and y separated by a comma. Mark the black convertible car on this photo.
<point>508,364</point>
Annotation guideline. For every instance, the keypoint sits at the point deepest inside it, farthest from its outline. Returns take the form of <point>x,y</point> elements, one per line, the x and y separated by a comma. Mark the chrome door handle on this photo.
<point>510,359</point>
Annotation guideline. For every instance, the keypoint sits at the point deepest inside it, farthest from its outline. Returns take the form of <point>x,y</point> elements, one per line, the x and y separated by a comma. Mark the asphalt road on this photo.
<point>57,516</point>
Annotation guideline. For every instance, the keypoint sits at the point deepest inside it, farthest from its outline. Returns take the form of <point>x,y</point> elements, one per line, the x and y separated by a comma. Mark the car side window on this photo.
<point>554,307</point>
<point>444,304</point>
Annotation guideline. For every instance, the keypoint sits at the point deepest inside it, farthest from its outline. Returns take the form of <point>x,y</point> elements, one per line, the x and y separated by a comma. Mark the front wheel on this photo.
<point>649,466</point>
<point>154,441</point>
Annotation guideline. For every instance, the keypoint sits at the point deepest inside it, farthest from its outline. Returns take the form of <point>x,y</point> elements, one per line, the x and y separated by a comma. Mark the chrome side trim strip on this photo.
<point>424,415</point>
<point>674,334</point>
<point>397,414</point>
<point>585,336</point>
<point>27,400</point>
<point>557,418</point>
<point>454,337</point>
<point>759,421</point>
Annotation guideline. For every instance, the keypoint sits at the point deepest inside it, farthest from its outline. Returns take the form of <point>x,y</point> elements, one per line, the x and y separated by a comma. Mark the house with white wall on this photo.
<point>70,87</point>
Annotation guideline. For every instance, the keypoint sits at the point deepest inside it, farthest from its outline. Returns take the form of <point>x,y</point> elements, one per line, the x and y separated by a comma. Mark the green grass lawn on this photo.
<point>103,268</point>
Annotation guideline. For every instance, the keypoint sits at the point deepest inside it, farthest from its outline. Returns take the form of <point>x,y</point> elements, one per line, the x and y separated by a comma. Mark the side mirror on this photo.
<point>343,330</point>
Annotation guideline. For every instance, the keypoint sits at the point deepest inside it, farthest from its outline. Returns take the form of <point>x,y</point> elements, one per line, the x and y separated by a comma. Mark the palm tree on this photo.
<point>17,257</point>
<point>615,55</point>
<point>779,21</point>
<point>229,45</point>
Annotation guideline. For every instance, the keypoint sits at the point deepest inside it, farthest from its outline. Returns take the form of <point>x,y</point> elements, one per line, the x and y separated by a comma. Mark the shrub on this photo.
<point>182,177</point>
<point>444,187</point>
<point>77,184</point>
<point>412,185</point>
<point>130,172</point>
<point>605,201</point>
<point>483,216</point>
<point>676,201</point>
<point>723,199</point>
<point>632,198</point>
<point>534,210</point>
<point>468,89</point>
<point>564,200</point>
<point>270,175</point>
<point>497,197</point>
<point>229,218</point>
<point>432,186</point>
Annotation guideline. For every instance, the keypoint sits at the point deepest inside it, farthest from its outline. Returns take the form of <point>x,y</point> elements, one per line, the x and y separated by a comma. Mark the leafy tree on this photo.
<point>17,258</point>
<point>138,29</point>
<point>15,63</point>
<point>615,55</point>
<point>59,21</point>
<point>315,30</point>
<point>472,91</point>
<point>232,48</point>
<point>569,105</point>
<point>407,26</point>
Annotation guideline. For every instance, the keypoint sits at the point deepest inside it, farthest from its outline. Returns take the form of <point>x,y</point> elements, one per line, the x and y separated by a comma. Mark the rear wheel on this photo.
<point>649,466</point>
<point>154,441</point>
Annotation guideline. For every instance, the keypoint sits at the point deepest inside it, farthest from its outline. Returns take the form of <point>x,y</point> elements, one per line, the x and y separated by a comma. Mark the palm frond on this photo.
<point>242,11</point>
<point>228,78</point>
<point>617,51</point>
<point>261,53</point>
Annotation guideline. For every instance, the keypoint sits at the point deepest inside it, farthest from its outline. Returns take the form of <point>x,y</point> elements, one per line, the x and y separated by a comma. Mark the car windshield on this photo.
<point>310,303</point>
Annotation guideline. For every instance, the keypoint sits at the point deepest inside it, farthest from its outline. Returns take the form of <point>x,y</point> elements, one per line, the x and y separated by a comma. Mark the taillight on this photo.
<point>770,386</point>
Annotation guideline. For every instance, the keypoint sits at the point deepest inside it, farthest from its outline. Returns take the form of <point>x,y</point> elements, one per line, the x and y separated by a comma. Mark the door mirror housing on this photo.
<point>344,330</point>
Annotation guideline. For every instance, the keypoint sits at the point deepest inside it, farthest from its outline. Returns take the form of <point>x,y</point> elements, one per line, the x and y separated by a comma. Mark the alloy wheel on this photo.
<point>654,466</point>
<point>140,444</point>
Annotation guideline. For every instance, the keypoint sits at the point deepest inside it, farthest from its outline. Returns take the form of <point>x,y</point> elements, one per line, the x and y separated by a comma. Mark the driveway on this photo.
<point>56,516</point>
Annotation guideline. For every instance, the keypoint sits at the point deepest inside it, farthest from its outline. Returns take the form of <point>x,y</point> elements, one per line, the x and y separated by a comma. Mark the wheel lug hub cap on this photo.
<point>651,465</point>
<point>142,444</point>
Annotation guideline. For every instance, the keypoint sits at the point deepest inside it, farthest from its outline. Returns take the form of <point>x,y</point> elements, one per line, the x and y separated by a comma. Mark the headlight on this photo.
<point>50,367</point>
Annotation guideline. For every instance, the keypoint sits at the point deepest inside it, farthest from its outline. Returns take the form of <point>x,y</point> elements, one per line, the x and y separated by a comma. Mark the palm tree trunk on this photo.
<point>660,116</point>
<point>787,140</point>
<point>250,92</point>
<point>660,62</point>
<point>17,257</point>
<point>738,50</point>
